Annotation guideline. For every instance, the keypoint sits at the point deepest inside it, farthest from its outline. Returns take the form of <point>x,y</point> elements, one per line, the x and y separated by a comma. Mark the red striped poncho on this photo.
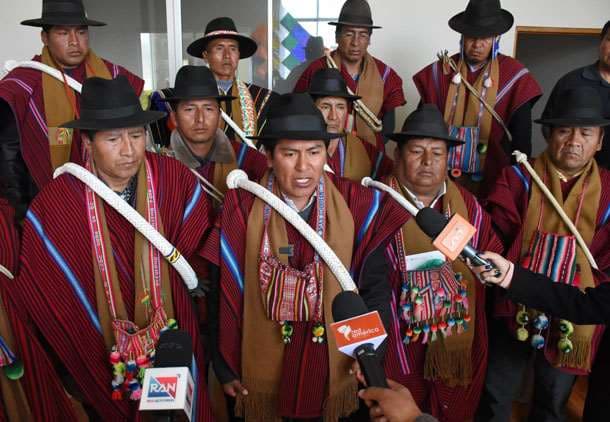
<point>517,87</point>
<point>508,202</point>
<point>22,91</point>
<point>405,364</point>
<point>393,94</point>
<point>57,281</point>
<point>381,164</point>
<point>305,366</point>
<point>47,400</point>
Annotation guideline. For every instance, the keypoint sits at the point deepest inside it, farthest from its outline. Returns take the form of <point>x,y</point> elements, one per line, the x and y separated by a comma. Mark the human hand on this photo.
<point>234,388</point>
<point>486,274</point>
<point>394,404</point>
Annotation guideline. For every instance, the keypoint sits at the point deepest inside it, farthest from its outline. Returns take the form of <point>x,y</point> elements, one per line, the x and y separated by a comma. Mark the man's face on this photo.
<point>117,154</point>
<point>68,45</point>
<point>352,43</point>
<point>571,148</point>
<point>298,167</point>
<point>477,50</point>
<point>197,120</point>
<point>604,51</point>
<point>222,54</point>
<point>421,165</point>
<point>334,110</point>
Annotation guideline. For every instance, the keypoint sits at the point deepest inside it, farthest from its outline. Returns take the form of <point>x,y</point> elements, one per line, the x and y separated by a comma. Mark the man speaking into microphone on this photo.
<point>438,349</point>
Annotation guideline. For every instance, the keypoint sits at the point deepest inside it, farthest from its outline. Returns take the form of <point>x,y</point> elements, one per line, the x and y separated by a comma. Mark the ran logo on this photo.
<point>163,387</point>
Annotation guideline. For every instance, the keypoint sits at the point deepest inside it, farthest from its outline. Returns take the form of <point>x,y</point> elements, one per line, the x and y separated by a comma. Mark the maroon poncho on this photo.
<point>46,399</point>
<point>517,86</point>
<point>22,91</point>
<point>304,380</point>
<point>507,204</point>
<point>57,278</point>
<point>405,364</point>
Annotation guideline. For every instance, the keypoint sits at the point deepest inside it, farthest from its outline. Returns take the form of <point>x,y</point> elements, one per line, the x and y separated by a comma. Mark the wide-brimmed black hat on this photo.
<point>223,28</point>
<point>110,104</point>
<point>425,122</point>
<point>294,116</point>
<point>62,12</point>
<point>195,82</point>
<point>578,107</point>
<point>329,83</point>
<point>356,13</point>
<point>482,18</point>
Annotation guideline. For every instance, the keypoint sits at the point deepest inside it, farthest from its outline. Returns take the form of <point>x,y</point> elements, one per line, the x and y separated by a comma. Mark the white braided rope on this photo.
<point>6,272</point>
<point>370,183</point>
<point>30,64</point>
<point>239,179</point>
<point>522,159</point>
<point>169,252</point>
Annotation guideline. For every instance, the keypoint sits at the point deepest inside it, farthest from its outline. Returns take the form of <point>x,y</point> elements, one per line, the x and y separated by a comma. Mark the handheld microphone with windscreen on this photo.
<point>359,333</point>
<point>168,388</point>
<point>437,227</point>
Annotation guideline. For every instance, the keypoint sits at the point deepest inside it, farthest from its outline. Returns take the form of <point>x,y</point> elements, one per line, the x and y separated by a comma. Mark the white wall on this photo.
<point>16,41</point>
<point>415,30</point>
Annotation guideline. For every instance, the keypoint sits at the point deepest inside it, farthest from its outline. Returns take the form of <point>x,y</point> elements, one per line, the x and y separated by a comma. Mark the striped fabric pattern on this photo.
<point>464,157</point>
<point>59,313</point>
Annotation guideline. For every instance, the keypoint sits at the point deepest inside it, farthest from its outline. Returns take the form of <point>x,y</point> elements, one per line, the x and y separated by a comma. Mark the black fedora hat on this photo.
<point>425,122</point>
<point>580,107</point>
<point>110,104</point>
<point>482,18</point>
<point>329,83</point>
<point>294,116</point>
<point>356,13</point>
<point>62,12</point>
<point>223,28</point>
<point>195,82</point>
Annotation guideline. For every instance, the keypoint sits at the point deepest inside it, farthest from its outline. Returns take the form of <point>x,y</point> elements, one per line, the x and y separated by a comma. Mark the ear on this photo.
<point>44,37</point>
<point>204,56</point>
<point>87,142</point>
<point>172,118</point>
<point>397,152</point>
<point>269,155</point>
<point>601,139</point>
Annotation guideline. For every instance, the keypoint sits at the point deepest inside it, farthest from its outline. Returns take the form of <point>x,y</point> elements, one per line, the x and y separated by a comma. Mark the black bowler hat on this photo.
<point>356,13</point>
<point>482,18</point>
<point>295,117</point>
<point>62,12</point>
<point>223,28</point>
<point>425,122</point>
<point>195,82</point>
<point>329,83</point>
<point>110,104</point>
<point>579,107</point>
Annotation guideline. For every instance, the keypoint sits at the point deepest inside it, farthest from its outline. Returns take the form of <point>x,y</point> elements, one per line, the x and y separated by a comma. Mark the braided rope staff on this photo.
<point>443,56</point>
<point>239,179</point>
<point>6,272</point>
<point>363,111</point>
<point>522,159</point>
<point>169,252</point>
<point>370,183</point>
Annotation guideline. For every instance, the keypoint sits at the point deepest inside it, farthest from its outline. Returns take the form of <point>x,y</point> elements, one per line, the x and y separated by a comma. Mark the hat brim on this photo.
<point>503,22</point>
<point>318,94</point>
<point>247,46</point>
<point>402,136</point>
<point>198,97</point>
<point>297,135</point>
<point>357,24</point>
<point>575,122</point>
<point>140,119</point>
<point>61,21</point>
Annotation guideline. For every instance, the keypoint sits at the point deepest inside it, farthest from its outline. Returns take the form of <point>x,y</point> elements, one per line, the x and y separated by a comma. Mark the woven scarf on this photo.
<point>550,222</point>
<point>370,87</point>
<point>15,401</point>
<point>353,159</point>
<point>243,110</point>
<point>262,337</point>
<point>60,104</point>
<point>448,358</point>
<point>458,112</point>
<point>151,274</point>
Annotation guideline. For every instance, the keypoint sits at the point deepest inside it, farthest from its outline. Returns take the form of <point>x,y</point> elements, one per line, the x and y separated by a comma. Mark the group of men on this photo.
<point>85,296</point>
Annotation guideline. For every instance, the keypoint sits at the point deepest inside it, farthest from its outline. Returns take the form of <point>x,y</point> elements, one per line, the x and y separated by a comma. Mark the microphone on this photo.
<point>359,333</point>
<point>168,388</point>
<point>432,223</point>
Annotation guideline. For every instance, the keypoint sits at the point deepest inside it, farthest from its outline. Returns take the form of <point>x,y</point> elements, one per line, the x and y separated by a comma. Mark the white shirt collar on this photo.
<point>419,204</point>
<point>292,205</point>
